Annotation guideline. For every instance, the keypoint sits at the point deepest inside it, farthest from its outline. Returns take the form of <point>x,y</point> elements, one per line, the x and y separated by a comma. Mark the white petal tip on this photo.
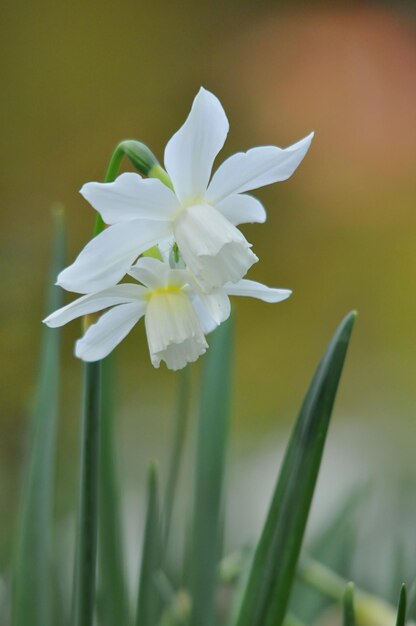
<point>83,190</point>
<point>82,354</point>
<point>51,321</point>
<point>86,188</point>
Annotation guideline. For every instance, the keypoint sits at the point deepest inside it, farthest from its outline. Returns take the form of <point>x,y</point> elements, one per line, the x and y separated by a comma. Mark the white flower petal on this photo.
<point>213,249</point>
<point>173,330</point>
<point>207,323</point>
<point>107,257</point>
<point>103,336</point>
<point>157,274</point>
<point>242,209</point>
<point>256,168</point>
<point>131,197</point>
<point>151,272</point>
<point>191,151</point>
<point>91,303</point>
<point>253,289</point>
<point>217,305</point>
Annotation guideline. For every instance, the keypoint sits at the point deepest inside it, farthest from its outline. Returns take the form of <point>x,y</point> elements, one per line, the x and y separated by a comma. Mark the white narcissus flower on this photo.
<point>176,316</point>
<point>200,214</point>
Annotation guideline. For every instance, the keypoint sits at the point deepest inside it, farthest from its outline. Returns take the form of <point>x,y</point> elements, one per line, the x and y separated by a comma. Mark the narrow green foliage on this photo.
<point>348,606</point>
<point>32,583</point>
<point>268,590</point>
<point>86,557</point>
<point>322,578</point>
<point>401,609</point>
<point>178,443</point>
<point>292,620</point>
<point>212,438</point>
<point>148,604</point>
<point>178,611</point>
<point>112,584</point>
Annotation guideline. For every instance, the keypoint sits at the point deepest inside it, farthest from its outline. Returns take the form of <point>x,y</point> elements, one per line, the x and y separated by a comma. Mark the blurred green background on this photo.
<point>78,77</point>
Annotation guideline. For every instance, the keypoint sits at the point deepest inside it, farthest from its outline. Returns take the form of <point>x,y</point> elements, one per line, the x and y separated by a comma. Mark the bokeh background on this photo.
<point>77,77</point>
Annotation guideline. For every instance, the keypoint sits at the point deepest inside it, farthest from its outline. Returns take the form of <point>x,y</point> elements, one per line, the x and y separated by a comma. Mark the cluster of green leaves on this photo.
<point>262,581</point>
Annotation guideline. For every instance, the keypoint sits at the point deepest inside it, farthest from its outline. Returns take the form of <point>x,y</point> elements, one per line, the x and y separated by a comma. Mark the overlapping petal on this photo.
<point>208,324</point>
<point>216,304</point>
<point>190,153</point>
<point>155,273</point>
<point>253,289</point>
<point>131,197</point>
<point>256,168</point>
<point>242,209</point>
<point>108,257</point>
<point>103,336</point>
<point>93,302</point>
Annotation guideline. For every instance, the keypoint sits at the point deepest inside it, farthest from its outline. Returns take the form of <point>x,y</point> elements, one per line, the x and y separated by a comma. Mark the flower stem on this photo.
<point>110,175</point>
<point>86,562</point>
<point>181,423</point>
<point>322,578</point>
<point>86,558</point>
<point>369,609</point>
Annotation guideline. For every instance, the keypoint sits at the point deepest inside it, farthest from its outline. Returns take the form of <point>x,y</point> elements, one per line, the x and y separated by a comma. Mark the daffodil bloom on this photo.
<point>176,314</point>
<point>200,213</point>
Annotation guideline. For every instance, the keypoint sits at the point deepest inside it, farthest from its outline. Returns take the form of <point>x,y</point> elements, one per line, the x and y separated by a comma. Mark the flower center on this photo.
<point>162,291</point>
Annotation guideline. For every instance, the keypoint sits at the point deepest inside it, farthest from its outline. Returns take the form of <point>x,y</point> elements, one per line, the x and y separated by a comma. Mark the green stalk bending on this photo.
<point>369,610</point>
<point>86,561</point>
<point>142,159</point>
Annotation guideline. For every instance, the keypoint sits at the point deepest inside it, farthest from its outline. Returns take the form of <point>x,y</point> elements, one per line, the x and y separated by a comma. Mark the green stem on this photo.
<point>85,578</point>
<point>181,423</point>
<point>112,588</point>
<point>322,578</point>
<point>110,176</point>
<point>369,610</point>
<point>86,560</point>
<point>157,171</point>
<point>144,161</point>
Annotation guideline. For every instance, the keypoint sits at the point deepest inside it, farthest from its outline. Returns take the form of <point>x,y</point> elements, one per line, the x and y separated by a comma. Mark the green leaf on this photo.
<point>112,585</point>
<point>268,590</point>
<point>86,555</point>
<point>348,606</point>
<point>401,609</point>
<point>212,438</point>
<point>32,582</point>
<point>178,442</point>
<point>148,605</point>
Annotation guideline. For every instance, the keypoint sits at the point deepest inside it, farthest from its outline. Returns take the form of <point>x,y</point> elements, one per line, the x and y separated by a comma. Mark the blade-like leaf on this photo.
<point>86,556</point>
<point>348,606</point>
<point>210,461</point>
<point>32,582</point>
<point>401,609</point>
<point>266,598</point>
<point>148,605</point>
<point>112,585</point>
<point>178,442</point>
